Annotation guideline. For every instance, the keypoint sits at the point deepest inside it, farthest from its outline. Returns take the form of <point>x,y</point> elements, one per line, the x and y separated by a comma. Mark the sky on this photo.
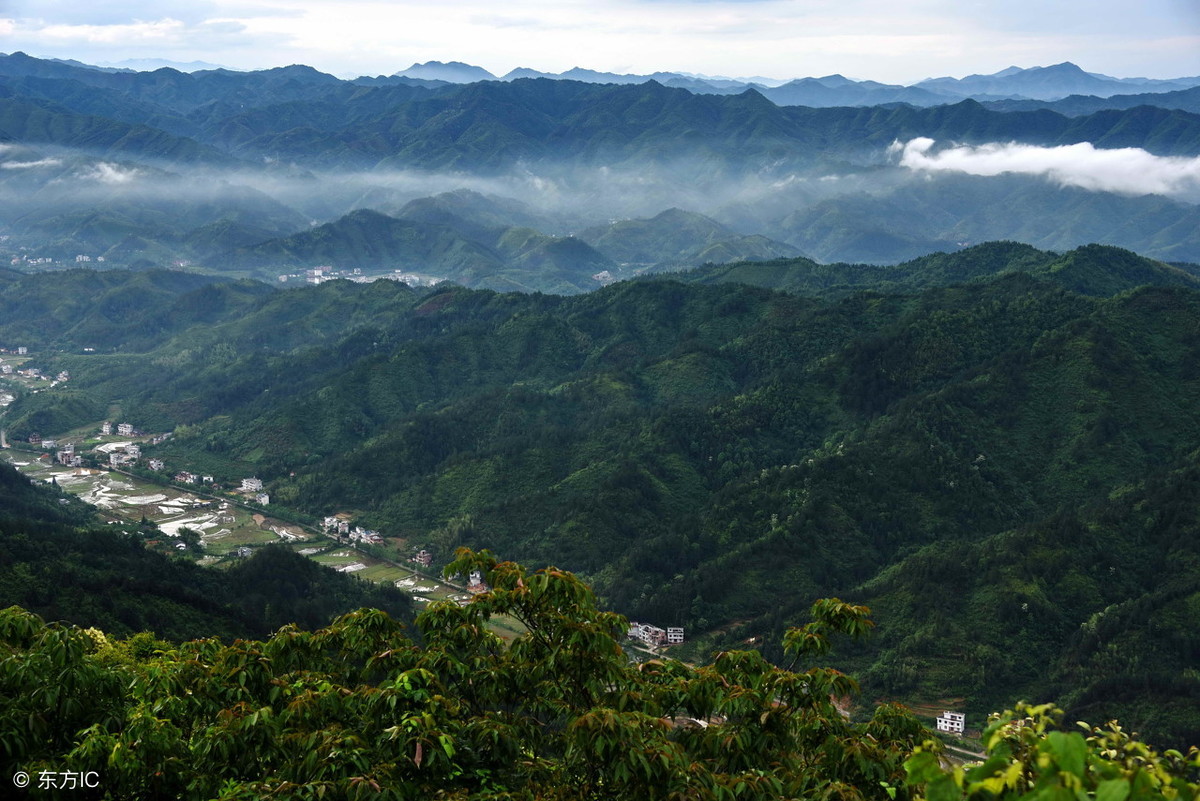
<point>894,41</point>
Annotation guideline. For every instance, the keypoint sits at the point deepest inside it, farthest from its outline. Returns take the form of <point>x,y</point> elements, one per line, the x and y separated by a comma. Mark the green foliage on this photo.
<point>357,708</point>
<point>1028,756</point>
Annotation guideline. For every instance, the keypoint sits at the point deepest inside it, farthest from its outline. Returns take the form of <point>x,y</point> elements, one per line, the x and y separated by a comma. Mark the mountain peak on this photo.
<point>450,71</point>
<point>834,81</point>
<point>1065,68</point>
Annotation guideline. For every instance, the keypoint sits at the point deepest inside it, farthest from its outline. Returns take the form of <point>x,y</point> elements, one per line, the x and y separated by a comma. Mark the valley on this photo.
<point>215,529</point>
<point>709,449</point>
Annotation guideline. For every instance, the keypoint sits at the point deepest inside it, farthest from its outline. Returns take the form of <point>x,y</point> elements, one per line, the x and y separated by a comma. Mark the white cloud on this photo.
<point>29,165</point>
<point>1127,170</point>
<point>113,174</point>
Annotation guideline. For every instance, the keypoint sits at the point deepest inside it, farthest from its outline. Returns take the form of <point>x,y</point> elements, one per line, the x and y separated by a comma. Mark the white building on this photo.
<point>650,635</point>
<point>262,499</point>
<point>953,722</point>
<point>125,429</point>
<point>156,464</point>
<point>674,635</point>
<point>106,428</point>
<point>252,485</point>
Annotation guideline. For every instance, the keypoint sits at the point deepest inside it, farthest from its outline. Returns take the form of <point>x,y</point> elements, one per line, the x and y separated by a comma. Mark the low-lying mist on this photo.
<point>1127,170</point>
<point>883,206</point>
<point>566,196</point>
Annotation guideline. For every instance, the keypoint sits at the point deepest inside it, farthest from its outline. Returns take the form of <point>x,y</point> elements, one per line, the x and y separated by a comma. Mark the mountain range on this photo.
<point>240,173</point>
<point>715,448</point>
<point>1036,83</point>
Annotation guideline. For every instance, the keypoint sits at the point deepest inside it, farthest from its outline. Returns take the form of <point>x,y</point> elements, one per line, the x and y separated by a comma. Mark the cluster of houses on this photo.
<point>365,536</point>
<point>653,635</point>
<point>31,372</point>
<point>319,275</point>
<point>66,456</point>
<point>123,430</point>
<point>339,527</point>
<point>253,487</point>
<point>20,350</point>
<point>126,455</point>
<point>183,476</point>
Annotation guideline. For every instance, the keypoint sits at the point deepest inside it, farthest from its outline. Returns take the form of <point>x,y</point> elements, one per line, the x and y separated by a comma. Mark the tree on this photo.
<point>1030,757</point>
<point>361,709</point>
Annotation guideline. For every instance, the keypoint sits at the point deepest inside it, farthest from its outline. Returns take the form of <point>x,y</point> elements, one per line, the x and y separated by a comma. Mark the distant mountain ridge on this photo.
<point>1014,83</point>
<point>1049,83</point>
<point>201,170</point>
<point>1034,83</point>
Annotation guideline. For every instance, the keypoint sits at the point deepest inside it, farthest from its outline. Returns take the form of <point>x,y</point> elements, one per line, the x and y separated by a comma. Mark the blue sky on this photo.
<point>888,40</point>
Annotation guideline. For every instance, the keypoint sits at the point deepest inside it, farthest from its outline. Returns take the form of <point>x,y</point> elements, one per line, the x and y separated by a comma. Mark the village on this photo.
<point>196,516</point>
<point>319,275</point>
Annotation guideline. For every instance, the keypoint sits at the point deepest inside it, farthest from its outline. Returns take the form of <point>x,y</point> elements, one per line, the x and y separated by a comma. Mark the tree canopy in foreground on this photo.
<point>362,709</point>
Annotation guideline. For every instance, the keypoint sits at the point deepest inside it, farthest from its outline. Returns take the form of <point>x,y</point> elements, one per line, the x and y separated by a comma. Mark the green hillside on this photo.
<point>1093,270</point>
<point>507,259</point>
<point>716,456</point>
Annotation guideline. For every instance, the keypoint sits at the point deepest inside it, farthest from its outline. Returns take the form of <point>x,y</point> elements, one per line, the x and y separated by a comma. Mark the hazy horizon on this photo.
<point>777,38</point>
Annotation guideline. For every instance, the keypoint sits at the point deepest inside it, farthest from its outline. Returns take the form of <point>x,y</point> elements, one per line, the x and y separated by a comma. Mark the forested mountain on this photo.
<point>254,174</point>
<point>1048,83</point>
<point>504,259</point>
<point>903,221</point>
<point>1093,270</point>
<point>297,113</point>
<point>676,238</point>
<point>1075,105</point>
<point>716,456</point>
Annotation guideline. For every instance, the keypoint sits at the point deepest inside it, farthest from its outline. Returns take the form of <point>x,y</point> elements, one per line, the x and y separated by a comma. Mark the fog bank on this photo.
<point>1128,170</point>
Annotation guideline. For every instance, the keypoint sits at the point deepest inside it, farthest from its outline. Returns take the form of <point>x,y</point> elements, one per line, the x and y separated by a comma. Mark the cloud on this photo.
<point>29,165</point>
<point>112,174</point>
<point>1128,170</point>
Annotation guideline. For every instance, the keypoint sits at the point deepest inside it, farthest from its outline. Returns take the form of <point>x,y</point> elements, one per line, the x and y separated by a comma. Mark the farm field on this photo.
<point>223,526</point>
